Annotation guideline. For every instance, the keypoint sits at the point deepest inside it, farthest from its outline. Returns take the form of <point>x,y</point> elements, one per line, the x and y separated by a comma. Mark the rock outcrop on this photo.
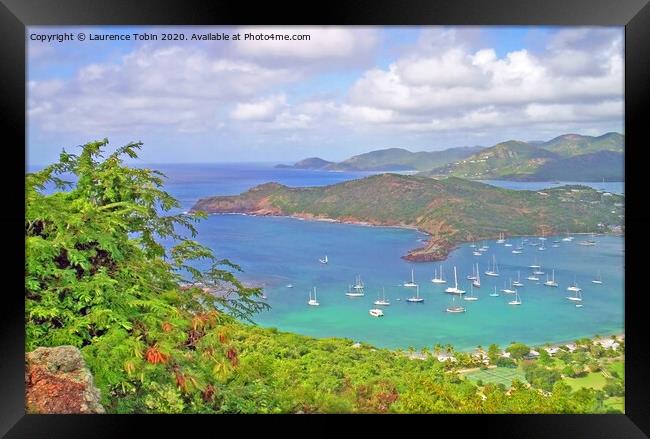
<point>57,381</point>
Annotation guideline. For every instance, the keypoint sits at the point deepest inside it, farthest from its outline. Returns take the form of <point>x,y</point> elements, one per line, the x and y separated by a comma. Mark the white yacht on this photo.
<point>494,271</point>
<point>477,281</point>
<point>577,297</point>
<point>382,301</point>
<point>508,290</point>
<point>412,283</point>
<point>455,308</point>
<point>356,290</point>
<point>501,239</point>
<point>532,277</point>
<point>376,312</point>
<point>551,282</point>
<point>494,294</point>
<point>417,298</point>
<point>454,289</point>
<point>517,300</point>
<point>598,280</point>
<point>518,282</point>
<point>471,296</point>
<point>314,301</point>
<point>289,285</point>
<point>438,278</point>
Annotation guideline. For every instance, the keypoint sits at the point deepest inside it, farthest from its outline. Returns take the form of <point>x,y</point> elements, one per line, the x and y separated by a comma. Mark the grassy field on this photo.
<point>618,367</point>
<point>499,375</point>
<point>616,402</point>
<point>593,380</point>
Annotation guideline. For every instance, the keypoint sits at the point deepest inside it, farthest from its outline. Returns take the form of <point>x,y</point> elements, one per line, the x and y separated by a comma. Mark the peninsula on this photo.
<point>450,210</point>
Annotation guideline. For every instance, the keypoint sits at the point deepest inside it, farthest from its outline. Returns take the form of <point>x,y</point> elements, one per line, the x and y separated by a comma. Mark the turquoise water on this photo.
<point>278,251</point>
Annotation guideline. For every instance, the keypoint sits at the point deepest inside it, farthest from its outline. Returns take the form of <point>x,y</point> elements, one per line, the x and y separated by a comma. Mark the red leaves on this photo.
<point>181,381</point>
<point>154,356</point>
<point>231,353</point>
<point>208,393</point>
<point>166,326</point>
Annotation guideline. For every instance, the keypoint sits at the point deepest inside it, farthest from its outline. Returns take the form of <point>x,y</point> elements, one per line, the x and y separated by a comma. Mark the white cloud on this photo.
<point>259,110</point>
<point>457,87</point>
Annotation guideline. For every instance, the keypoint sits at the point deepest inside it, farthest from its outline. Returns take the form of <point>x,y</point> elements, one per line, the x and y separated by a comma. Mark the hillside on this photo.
<point>569,145</point>
<point>310,163</point>
<point>569,157</point>
<point>391,159</point>
<point>450,210</point>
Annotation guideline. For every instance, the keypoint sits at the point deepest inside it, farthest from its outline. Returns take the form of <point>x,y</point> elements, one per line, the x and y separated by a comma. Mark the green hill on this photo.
<point>391,159</point>
<point>310,163</point>
<point>451,210</point>
<point>511,159</point>
<point>570,145</point>
<point>569,157</point>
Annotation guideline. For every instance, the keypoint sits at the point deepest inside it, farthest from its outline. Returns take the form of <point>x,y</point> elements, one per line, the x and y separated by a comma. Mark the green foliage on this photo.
<point>518,350</point>
<point>161,336</point>
<point>97,276</point>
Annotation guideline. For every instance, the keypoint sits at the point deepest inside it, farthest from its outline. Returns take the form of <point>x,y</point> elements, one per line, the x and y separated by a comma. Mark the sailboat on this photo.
<point>494,271</point>
<point>437,279</point>
<point>508,290</point>
<point>532,277</point>
<point>314,301</point>
<point>454,289</point>
<point>577,297</point>
<point>382,301</point>
<point>517,251</point>
<point>538,271</point>
<point>412,283</point>
<point>551,283</point>
<point>455,308</point>
<point>477,252</point>
<point>598,280</point>
<point>535,265</point>
<point>567,238</point>
<point>517,300</point>
<point>507,244</point>
<point>473,275</point>
<point>477,281</point>
<point>495,294</point>
<point>357,290</point>
<point>471,296</point>
<point>501,239</point>
<point>289,285</point>
<point>574,287</point>
<point>518,283</point>
<point>324,261</point>
<point>417,298</point>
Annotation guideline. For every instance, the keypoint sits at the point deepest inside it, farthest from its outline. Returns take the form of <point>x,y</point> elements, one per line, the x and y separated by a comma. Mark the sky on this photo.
<point>345,91</point>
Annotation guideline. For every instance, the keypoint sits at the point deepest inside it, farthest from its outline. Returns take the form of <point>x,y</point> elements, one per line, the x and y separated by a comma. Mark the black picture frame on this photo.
<point>15,15</point>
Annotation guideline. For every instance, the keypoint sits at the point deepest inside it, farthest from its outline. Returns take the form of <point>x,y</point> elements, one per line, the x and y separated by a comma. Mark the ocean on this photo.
<point>274,252</point>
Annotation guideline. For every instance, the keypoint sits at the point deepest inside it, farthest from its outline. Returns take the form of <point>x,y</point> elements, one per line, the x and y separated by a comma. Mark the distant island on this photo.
<point>569,157</point>
<point>391,159</point>
<point>450,210</point>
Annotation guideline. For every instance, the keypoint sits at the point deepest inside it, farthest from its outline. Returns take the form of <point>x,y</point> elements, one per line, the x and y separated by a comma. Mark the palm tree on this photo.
<point>437,348</point>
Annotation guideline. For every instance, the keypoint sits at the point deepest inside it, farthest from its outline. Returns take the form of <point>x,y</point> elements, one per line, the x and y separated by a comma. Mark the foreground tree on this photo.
<point>98,277</point>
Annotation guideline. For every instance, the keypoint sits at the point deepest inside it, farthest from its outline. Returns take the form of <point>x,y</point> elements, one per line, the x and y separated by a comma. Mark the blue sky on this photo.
<point>346,91</point>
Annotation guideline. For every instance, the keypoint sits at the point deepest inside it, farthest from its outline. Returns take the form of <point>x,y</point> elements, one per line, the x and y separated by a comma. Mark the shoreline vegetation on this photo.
<point>156,340</point>
<point>450,211</point>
